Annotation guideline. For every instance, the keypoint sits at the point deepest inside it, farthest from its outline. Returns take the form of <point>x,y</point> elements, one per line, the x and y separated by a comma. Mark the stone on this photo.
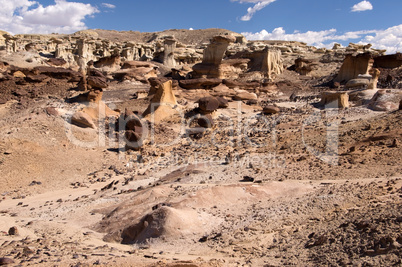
<point>200,83</point>
<point>375,73</point>
<point>362,97</point>
<point>334,99</point>
<point>82,119</point>
<point>386,100</point>
<point>59,73</point>
<point>51,111</point>
<point>6,261</point>
<point>19,74</point>
<point>133,139</point>
<point>97,82</point>
<point>208,104</point>
<point>112,62</point>
<point>244,95</point>
<point>13,231</point>
<point>357,83</point>
<point>36,78</point>
<point>58,62</point>
<point>206,121</point>
<point>271,109</point>
<point>223,102</point>
<point>305,66</point>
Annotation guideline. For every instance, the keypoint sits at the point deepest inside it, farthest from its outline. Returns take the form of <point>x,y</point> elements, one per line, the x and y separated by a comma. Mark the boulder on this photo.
<point>305,66</point>
<point>357,83</point>
<point>200,83</point>
<point>208,104</point>
<point>244,95</point>
<point>362,97</point>
<point>386,100</point>
<point>58,62</point>
<point>58,73</point>
<point>6,261</point>
<point>223,102</point>
<point>206,121</point>
<point>82,119</point>
<point>97,82</point>
<point>19,74</point>
<point>334,99</point>
<point>271,109</point>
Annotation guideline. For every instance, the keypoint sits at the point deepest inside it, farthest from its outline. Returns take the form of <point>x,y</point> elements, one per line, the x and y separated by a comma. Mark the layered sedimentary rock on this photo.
<point>212,59</point>
<point>168,56</point>
<point>353,66</point>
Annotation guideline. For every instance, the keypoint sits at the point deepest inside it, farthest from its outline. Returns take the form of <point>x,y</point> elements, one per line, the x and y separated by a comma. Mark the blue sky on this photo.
<point>319,23</point>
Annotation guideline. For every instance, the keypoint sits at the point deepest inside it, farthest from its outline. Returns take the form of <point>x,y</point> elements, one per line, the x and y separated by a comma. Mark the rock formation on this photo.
<point>162,104</point>
<point>353,66</point>
<point>213,55</point>
<point>169,49</point>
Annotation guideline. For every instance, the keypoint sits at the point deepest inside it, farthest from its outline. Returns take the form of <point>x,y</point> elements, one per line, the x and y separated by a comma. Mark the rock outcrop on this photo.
<point>353,66</point>
<point>162,104</point>
<point>212,59</point>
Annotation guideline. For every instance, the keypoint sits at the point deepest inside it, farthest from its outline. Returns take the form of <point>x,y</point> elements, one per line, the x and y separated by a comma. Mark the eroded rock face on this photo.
<point>215,51</point>
<point>353,66</point>
<point>388,61</point>
<point>169,49</point>
<point>162,104</point>
<point>213,55</point>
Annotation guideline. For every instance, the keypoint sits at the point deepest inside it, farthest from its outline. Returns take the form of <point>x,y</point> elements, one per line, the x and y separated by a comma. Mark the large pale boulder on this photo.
<point>162,104</point>
<point>83,120</point>
<point>386,100</point>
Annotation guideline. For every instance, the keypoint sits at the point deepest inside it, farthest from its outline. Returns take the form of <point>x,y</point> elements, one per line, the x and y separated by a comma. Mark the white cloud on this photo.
<point>389,39</point>
<point>23,16</point>
<point>258,5</point>
<point>362,6</point>
<point>107,5</point>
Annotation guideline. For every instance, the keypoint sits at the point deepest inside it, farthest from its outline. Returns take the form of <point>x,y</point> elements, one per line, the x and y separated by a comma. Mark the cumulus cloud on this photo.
<point>362,6</point>
<point>389,39</point>
<point>24,16</point>
<point>258,5</point>
<point>107,5</point>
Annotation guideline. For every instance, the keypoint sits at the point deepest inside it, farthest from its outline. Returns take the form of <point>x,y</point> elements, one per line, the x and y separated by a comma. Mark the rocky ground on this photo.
<point>306,186</point>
